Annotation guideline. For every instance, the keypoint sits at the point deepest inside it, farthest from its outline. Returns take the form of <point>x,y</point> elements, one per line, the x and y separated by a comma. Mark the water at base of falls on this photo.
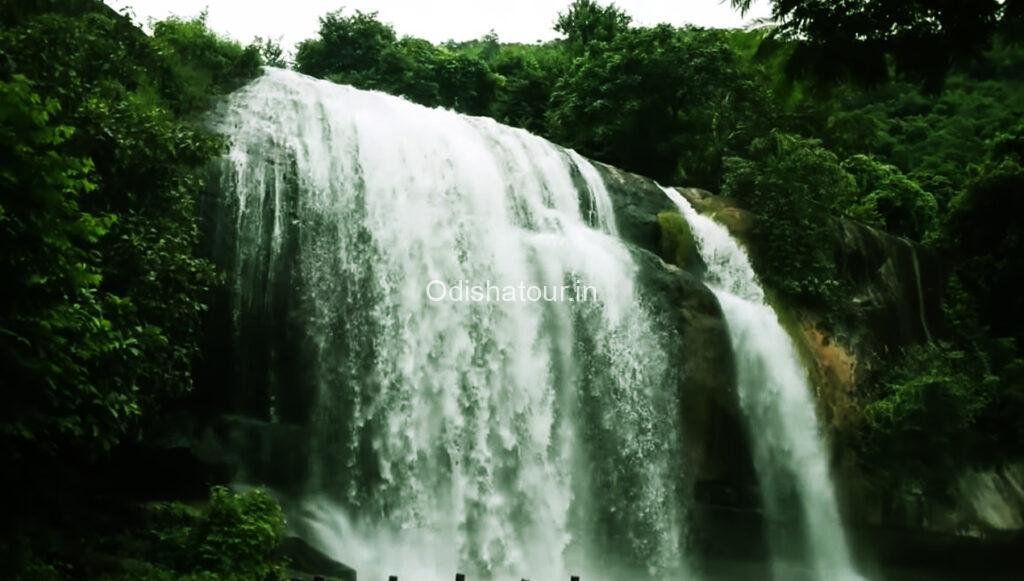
<point>500,439</point>
<point>775,397</point>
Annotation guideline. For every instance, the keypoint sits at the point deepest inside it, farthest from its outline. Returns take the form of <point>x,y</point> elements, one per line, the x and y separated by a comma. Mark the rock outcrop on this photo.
<point>897,291</point>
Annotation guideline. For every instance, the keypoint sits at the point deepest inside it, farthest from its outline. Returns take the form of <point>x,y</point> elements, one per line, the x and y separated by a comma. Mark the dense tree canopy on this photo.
<point>121,326</point>
<point>856,38</point>
<point>889,200</point>
<point>797,186</point>
<point>664,102</point>
<point>361,51</point>
<point>104,284</point>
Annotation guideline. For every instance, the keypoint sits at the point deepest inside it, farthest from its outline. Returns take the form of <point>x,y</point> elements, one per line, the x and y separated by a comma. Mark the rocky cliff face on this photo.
<point>896,302</point>
<point>716,435</point>
<point>897,291</point>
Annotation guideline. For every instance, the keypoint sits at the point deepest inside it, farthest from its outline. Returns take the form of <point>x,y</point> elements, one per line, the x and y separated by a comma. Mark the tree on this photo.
<point>586,22</point>
<point>854,38</point>
<point>663,102</point>
<point>984,232</point>
<point>270,52</point>
<point>106,289</point>
<point>923,416</point>
<point>54,336</point>
<point>198,64</point>
<point>524,90</point>
<point>363,52</point>
<point>348,47</point>
<point>797,188</point>
<point>889,200</point>
<point>465,83</point>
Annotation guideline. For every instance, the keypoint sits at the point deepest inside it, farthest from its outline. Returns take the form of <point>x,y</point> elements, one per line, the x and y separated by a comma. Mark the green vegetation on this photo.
<point>866,40</point>
<point>678,246</point>
<point>927,402</point>
<point>363,52</point>
<point>234,536</point>
<point>104,287</point>
<point>891,201</point>
<point>901,115</point>
<point>651,100</point>
<point>797,186</point>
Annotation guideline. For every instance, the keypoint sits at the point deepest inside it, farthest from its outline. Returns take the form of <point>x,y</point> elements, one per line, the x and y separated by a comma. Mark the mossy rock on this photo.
<point>678,245</point>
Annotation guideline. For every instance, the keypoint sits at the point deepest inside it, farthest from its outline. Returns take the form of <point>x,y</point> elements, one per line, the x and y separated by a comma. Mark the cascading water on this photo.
<point>524,438</point>
<point>775,397</point>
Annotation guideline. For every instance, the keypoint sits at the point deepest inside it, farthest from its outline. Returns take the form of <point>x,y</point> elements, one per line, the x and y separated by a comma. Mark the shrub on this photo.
<point>104,289</point>
<point>235,536</point>
<point>53,331</point>
<point>202,63</point>
<point>889,200</point>
<point>797,188</point>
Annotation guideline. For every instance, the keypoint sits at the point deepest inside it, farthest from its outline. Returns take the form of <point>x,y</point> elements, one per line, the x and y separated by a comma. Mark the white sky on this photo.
<point>291,21</point>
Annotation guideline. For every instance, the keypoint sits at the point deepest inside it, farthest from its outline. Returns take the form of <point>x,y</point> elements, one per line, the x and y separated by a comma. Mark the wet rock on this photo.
<point>306,563</point>
<point>637,201</point>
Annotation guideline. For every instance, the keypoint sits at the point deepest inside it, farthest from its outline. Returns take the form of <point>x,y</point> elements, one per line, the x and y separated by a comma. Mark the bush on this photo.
<point>797,188</point>
<point>104,288</point>
<point>235,536</point>
<point>55,338</point>
<point>202,63</point>
<point>924,412</point>
<point>889,200</point>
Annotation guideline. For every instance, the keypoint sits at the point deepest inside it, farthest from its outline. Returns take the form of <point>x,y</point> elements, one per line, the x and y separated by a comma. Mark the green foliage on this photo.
<point>939,407</point>
<point>361,51</point>
<point>797,188</point>
<point>889,200</point>
<point>105,290</point>
<point>235,536</point>
<point>862,39</point>
<point>465,83</point>
<point>942,406</point>
<point>55,339</point>
<point>240,533</point>
<point>202,64</point>
<point>664,102</point>
<point>586,22</point>
<point>270,52</point>
<point>985,233</point>
<point>677,243</point>
<point>348,47</point>
<point>524,89</point>
<point>929,404</point>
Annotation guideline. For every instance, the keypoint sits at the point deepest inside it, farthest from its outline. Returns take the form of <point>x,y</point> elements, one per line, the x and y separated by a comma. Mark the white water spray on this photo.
<point>518,440</point>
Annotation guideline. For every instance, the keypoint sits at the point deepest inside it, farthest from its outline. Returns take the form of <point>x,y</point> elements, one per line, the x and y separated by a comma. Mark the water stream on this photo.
<point>776,399</point>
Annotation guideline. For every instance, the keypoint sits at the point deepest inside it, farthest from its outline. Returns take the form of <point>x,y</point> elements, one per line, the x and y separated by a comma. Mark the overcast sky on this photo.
<point>435,20</point>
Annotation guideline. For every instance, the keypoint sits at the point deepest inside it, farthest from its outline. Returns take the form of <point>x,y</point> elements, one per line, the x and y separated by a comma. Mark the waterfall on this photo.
<point>919,289</point>
<point>775,396</point>
<point>500,438</point>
